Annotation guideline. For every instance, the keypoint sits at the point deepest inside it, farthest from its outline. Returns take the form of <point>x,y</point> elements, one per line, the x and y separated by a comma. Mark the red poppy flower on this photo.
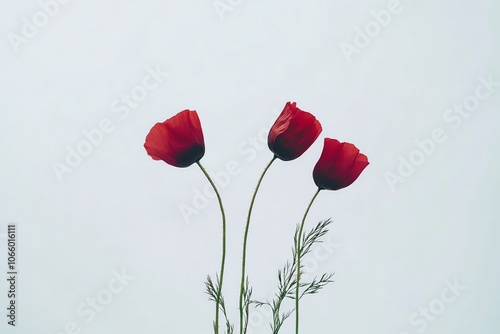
<point>178,141</point>
<point>293,133</point>
<point>339,166</point>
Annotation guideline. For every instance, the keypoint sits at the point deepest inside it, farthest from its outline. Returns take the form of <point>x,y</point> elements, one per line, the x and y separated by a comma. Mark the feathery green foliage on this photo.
<point>287,276</point>
<point>212,289</point>
<point>247,299</point>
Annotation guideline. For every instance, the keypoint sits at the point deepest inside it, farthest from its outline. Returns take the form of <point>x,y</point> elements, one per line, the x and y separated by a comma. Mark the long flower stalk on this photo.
<point>298,249</point>
<point>245,238</point>
<point>223,260</point>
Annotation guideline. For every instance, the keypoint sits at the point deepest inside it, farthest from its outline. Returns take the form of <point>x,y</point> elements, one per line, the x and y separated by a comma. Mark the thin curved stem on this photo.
<point>297,285</point>
<point>245,238</point>
<point>223,260</point>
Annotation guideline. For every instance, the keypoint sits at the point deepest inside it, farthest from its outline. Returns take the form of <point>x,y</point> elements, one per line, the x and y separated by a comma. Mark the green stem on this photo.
<point>243,261</point>
<point>299,239</point>
<point>223,261</point>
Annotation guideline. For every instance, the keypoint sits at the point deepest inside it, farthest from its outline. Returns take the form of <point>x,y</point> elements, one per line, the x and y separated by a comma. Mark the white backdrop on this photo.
<point>102,244</point>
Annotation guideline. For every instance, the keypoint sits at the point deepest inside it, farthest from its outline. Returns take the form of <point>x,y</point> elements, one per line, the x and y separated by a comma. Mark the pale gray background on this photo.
<point>120,209</point>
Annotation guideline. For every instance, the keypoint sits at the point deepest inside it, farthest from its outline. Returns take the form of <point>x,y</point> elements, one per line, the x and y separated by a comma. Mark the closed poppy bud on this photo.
<point>339,166</point>
<point>293,133</point>
<point>178,141</point>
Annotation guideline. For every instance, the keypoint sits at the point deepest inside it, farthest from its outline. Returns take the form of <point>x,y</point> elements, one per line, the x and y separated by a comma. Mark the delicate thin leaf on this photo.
<point>212,293</point>
<point>287,279</point>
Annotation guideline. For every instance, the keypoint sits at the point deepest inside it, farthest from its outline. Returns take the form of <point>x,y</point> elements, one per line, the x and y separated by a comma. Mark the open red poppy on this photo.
<point>339,166</point>
<point>293,132</point>
<point>178,141</point>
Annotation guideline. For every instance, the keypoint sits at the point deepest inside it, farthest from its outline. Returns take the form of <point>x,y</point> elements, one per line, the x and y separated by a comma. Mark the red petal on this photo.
<point>178,141</point>
<point>293,133</point>
<point>339,165</point>
<point>355,171</point>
